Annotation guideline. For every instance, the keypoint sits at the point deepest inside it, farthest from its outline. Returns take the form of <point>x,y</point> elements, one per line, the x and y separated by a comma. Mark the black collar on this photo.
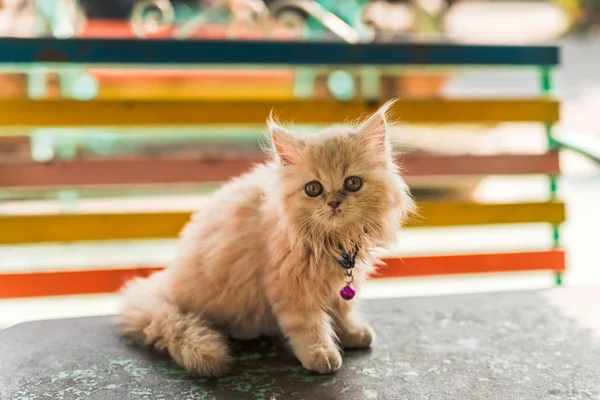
<point>348,260</point>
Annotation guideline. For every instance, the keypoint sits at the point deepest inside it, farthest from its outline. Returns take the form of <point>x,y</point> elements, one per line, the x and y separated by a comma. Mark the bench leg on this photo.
<point>546,87</point>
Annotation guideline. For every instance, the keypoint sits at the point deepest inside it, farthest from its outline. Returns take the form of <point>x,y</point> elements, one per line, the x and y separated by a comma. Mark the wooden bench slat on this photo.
<point>195,84</point>
<point>263,52</point>
<point>497,164</point>
<point>437,214</point>
<point>57,113</point>
<point>198,91</point>
<point>15,145</point>
<point>72,282</point>
<point>551,260</point>
<point>193,169</point>
<point>77,282</point>
<point>16,229</point>
<point>124,171</point>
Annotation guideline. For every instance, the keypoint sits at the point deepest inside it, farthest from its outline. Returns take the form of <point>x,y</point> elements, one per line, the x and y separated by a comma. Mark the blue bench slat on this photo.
<point>198,52</point>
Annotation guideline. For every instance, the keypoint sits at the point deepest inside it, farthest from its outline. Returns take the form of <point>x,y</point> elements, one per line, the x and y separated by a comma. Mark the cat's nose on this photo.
<point>334,203</point>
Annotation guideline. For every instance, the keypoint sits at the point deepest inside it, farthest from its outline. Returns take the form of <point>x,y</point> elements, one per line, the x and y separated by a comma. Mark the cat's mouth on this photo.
<point>335,212</point>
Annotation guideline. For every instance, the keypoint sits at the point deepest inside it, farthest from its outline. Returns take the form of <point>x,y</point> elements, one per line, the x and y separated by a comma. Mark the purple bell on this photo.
<point>348,292</point>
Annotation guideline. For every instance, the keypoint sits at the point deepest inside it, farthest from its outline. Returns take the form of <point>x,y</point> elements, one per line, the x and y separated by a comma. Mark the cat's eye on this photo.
<point>353,183</point>
<point>313,189</point>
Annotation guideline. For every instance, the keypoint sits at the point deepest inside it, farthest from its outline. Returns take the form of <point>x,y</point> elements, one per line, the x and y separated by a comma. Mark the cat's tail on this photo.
<point>149,318</point>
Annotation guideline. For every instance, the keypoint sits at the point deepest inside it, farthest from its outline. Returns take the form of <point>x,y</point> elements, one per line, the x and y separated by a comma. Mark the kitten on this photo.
<point>265,254</point>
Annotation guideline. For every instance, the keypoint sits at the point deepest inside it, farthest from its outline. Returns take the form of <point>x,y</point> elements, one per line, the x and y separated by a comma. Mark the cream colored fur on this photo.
<point>259,256</point>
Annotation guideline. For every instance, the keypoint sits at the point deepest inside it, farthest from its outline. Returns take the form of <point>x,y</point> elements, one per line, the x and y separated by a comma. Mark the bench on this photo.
<point>360,58</point>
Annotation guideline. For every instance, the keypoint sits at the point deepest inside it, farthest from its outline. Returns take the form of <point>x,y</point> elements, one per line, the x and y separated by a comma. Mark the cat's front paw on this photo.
<point>357,337</point>
<point>323,360</point>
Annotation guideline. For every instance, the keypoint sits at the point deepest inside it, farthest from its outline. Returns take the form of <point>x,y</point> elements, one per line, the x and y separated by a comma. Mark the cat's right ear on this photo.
<point>285,144</point>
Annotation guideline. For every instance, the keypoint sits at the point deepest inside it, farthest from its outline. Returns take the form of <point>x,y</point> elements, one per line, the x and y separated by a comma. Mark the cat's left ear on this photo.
<point>284,143</point>
<point>374,129</point>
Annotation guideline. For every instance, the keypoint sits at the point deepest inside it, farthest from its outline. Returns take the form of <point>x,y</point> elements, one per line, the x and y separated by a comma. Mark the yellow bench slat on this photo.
<point>147,225</point>
<point>56,113</point>
<point>457,213</point>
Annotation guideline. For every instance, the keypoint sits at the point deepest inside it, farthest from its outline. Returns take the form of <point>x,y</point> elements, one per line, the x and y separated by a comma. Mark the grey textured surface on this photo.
<point>491,346</point>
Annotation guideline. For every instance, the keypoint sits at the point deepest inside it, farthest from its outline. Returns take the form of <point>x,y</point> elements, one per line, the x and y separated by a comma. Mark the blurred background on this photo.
<point>573,25</point>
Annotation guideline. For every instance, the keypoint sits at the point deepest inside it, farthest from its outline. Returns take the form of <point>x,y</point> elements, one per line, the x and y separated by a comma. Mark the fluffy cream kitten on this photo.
<point>262,256</point>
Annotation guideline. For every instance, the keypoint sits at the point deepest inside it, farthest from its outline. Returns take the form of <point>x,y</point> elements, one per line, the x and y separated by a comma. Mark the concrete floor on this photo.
<point>495,346</point>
